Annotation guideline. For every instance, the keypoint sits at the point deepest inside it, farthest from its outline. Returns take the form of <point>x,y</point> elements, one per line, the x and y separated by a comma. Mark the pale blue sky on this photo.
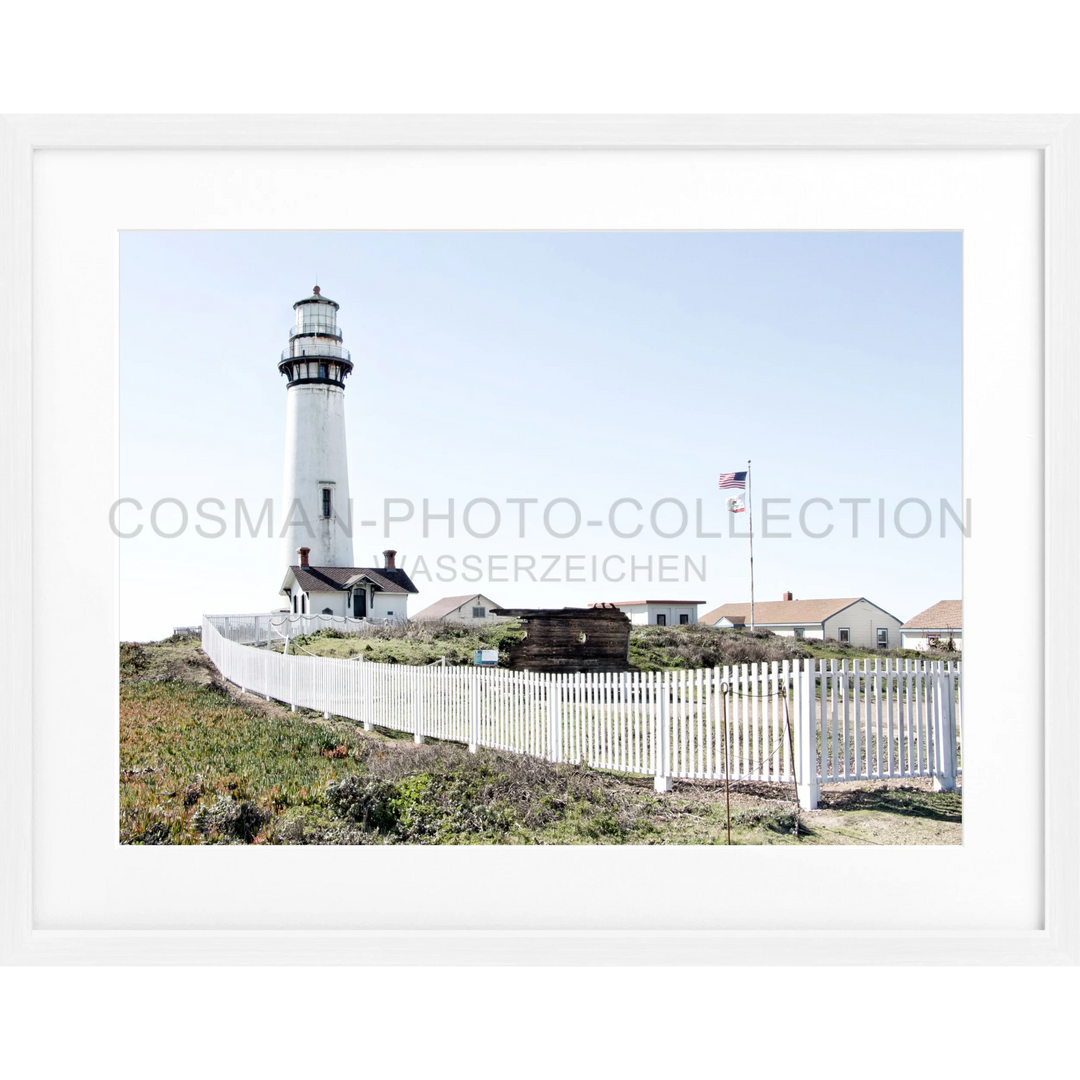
<point>590,366</point>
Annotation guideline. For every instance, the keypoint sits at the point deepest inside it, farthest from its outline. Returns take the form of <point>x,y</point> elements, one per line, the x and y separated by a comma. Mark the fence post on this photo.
<point>325,668</point>
<point>474,710</point>
<point>945,734</point>
<point>553,704</point>
<point>367,682</point>
<point>958,679</point>
<point>418,712</point>
<point>808,785</point>
<point>663,781</point>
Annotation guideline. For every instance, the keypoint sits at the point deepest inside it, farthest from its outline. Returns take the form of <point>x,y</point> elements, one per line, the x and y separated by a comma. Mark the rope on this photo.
<point>745,694</point>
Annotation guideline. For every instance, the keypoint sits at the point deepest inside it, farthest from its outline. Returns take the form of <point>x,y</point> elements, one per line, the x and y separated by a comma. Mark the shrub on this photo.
<point>230,820</point>
<point>133,659</point>
<point>653,648</point>
<point>366,800</point>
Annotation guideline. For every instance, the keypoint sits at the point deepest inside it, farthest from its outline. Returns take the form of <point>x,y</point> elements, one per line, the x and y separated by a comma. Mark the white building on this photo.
<point>658,612</point>
<point>316,508</point>
<point>937,625</point>
<point>473,609</point>
<point>361,592</point>
<point>851,620</point>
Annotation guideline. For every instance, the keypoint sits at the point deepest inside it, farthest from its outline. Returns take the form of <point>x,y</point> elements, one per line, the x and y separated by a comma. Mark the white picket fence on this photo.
<point>263,627</point>
<point>849,720</point>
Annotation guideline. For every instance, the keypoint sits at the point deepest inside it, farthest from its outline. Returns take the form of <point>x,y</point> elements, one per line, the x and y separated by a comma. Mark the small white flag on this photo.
<point>735,505</point>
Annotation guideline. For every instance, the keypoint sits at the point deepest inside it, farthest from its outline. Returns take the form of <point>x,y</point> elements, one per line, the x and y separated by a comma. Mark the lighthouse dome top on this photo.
<point>316,297</point>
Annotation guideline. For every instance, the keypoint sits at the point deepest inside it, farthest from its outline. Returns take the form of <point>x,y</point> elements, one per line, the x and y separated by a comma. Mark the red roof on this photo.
<point>634,603</point>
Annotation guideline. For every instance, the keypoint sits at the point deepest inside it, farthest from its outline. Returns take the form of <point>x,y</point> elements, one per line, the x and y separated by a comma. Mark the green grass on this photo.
<point>413,643</point>
<point>196,767</point>
<point>184,746</point>
<point>199,765</point>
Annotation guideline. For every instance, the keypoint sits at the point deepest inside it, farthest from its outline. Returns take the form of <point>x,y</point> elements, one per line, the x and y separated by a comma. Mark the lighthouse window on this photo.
<point>325,502</point>
<point>322,371</point>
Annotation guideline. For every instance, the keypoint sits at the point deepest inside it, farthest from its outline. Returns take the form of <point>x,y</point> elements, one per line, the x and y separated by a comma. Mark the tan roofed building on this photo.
<point>473,608</point>
<point>851,620</point>
<point>937,625</point>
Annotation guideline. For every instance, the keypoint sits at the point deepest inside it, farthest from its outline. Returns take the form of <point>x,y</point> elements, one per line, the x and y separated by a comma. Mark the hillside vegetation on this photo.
<point>199,764</point>
<point>652,648</point>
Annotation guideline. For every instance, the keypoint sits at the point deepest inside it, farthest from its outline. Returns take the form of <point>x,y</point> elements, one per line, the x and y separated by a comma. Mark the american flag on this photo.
<point>733,480</point>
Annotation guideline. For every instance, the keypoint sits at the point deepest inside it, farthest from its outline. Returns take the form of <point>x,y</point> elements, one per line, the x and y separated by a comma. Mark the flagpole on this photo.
<point>750,511</point>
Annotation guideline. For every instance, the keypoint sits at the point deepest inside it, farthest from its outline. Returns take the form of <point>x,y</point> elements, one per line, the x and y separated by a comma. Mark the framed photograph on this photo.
<point>78,184</point>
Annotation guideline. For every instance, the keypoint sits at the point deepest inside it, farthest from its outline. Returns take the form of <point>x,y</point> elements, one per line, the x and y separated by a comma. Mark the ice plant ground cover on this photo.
<point>652,648</point>
<point>201,764</point>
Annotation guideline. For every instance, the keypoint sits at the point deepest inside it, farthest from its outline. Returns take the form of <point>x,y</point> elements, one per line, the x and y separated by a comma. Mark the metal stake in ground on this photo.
<point>725,689</point>
<point>791,745</point>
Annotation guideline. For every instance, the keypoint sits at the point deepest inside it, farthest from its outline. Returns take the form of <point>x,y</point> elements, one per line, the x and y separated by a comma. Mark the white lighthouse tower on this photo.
<point>320,579</point>
<point>318,514</point>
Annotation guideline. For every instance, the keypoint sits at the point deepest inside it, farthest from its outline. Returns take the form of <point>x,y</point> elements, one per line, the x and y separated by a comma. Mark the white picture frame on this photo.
<point>1056,139</point>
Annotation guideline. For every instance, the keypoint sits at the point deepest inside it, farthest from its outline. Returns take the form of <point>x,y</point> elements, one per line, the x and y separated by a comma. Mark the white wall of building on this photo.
<point>335,601</point>
<point>919,639</point>
<point>863,619</point>
<point>381,606</point>
<point>389,606</point>
<point>809,630</point>
<point>315,457</point>
<point>645,614</point>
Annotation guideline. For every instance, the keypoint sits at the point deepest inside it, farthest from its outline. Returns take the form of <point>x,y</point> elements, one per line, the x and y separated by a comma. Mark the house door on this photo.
<point>359,604</point>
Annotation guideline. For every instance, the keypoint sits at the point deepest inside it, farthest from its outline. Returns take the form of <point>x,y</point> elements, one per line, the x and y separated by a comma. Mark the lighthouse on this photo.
<point>320,579</point>
<point>318,514</point>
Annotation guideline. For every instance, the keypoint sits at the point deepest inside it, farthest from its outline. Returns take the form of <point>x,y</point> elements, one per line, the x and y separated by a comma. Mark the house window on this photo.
<point>479,612</point>
<point>684,620</point>
<point>325,502</point>
<point>800,631</point>
<point>295,601</point>
<point>661,620</point>
<point>327,611</point>
<point>845,635</point>
<point>883,637</point>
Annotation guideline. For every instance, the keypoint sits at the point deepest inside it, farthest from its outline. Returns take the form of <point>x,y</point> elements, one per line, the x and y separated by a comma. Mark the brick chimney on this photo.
<point>303,553</point>
<point>389,556</point>
<point>788,596</point>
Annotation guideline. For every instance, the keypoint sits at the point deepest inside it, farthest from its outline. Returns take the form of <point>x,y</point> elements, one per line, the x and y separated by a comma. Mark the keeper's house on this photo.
<point>937,625</point>
<point>657,612</point>
<point>361,592</point>
<point>851,620</point>
<point>474,610</point>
